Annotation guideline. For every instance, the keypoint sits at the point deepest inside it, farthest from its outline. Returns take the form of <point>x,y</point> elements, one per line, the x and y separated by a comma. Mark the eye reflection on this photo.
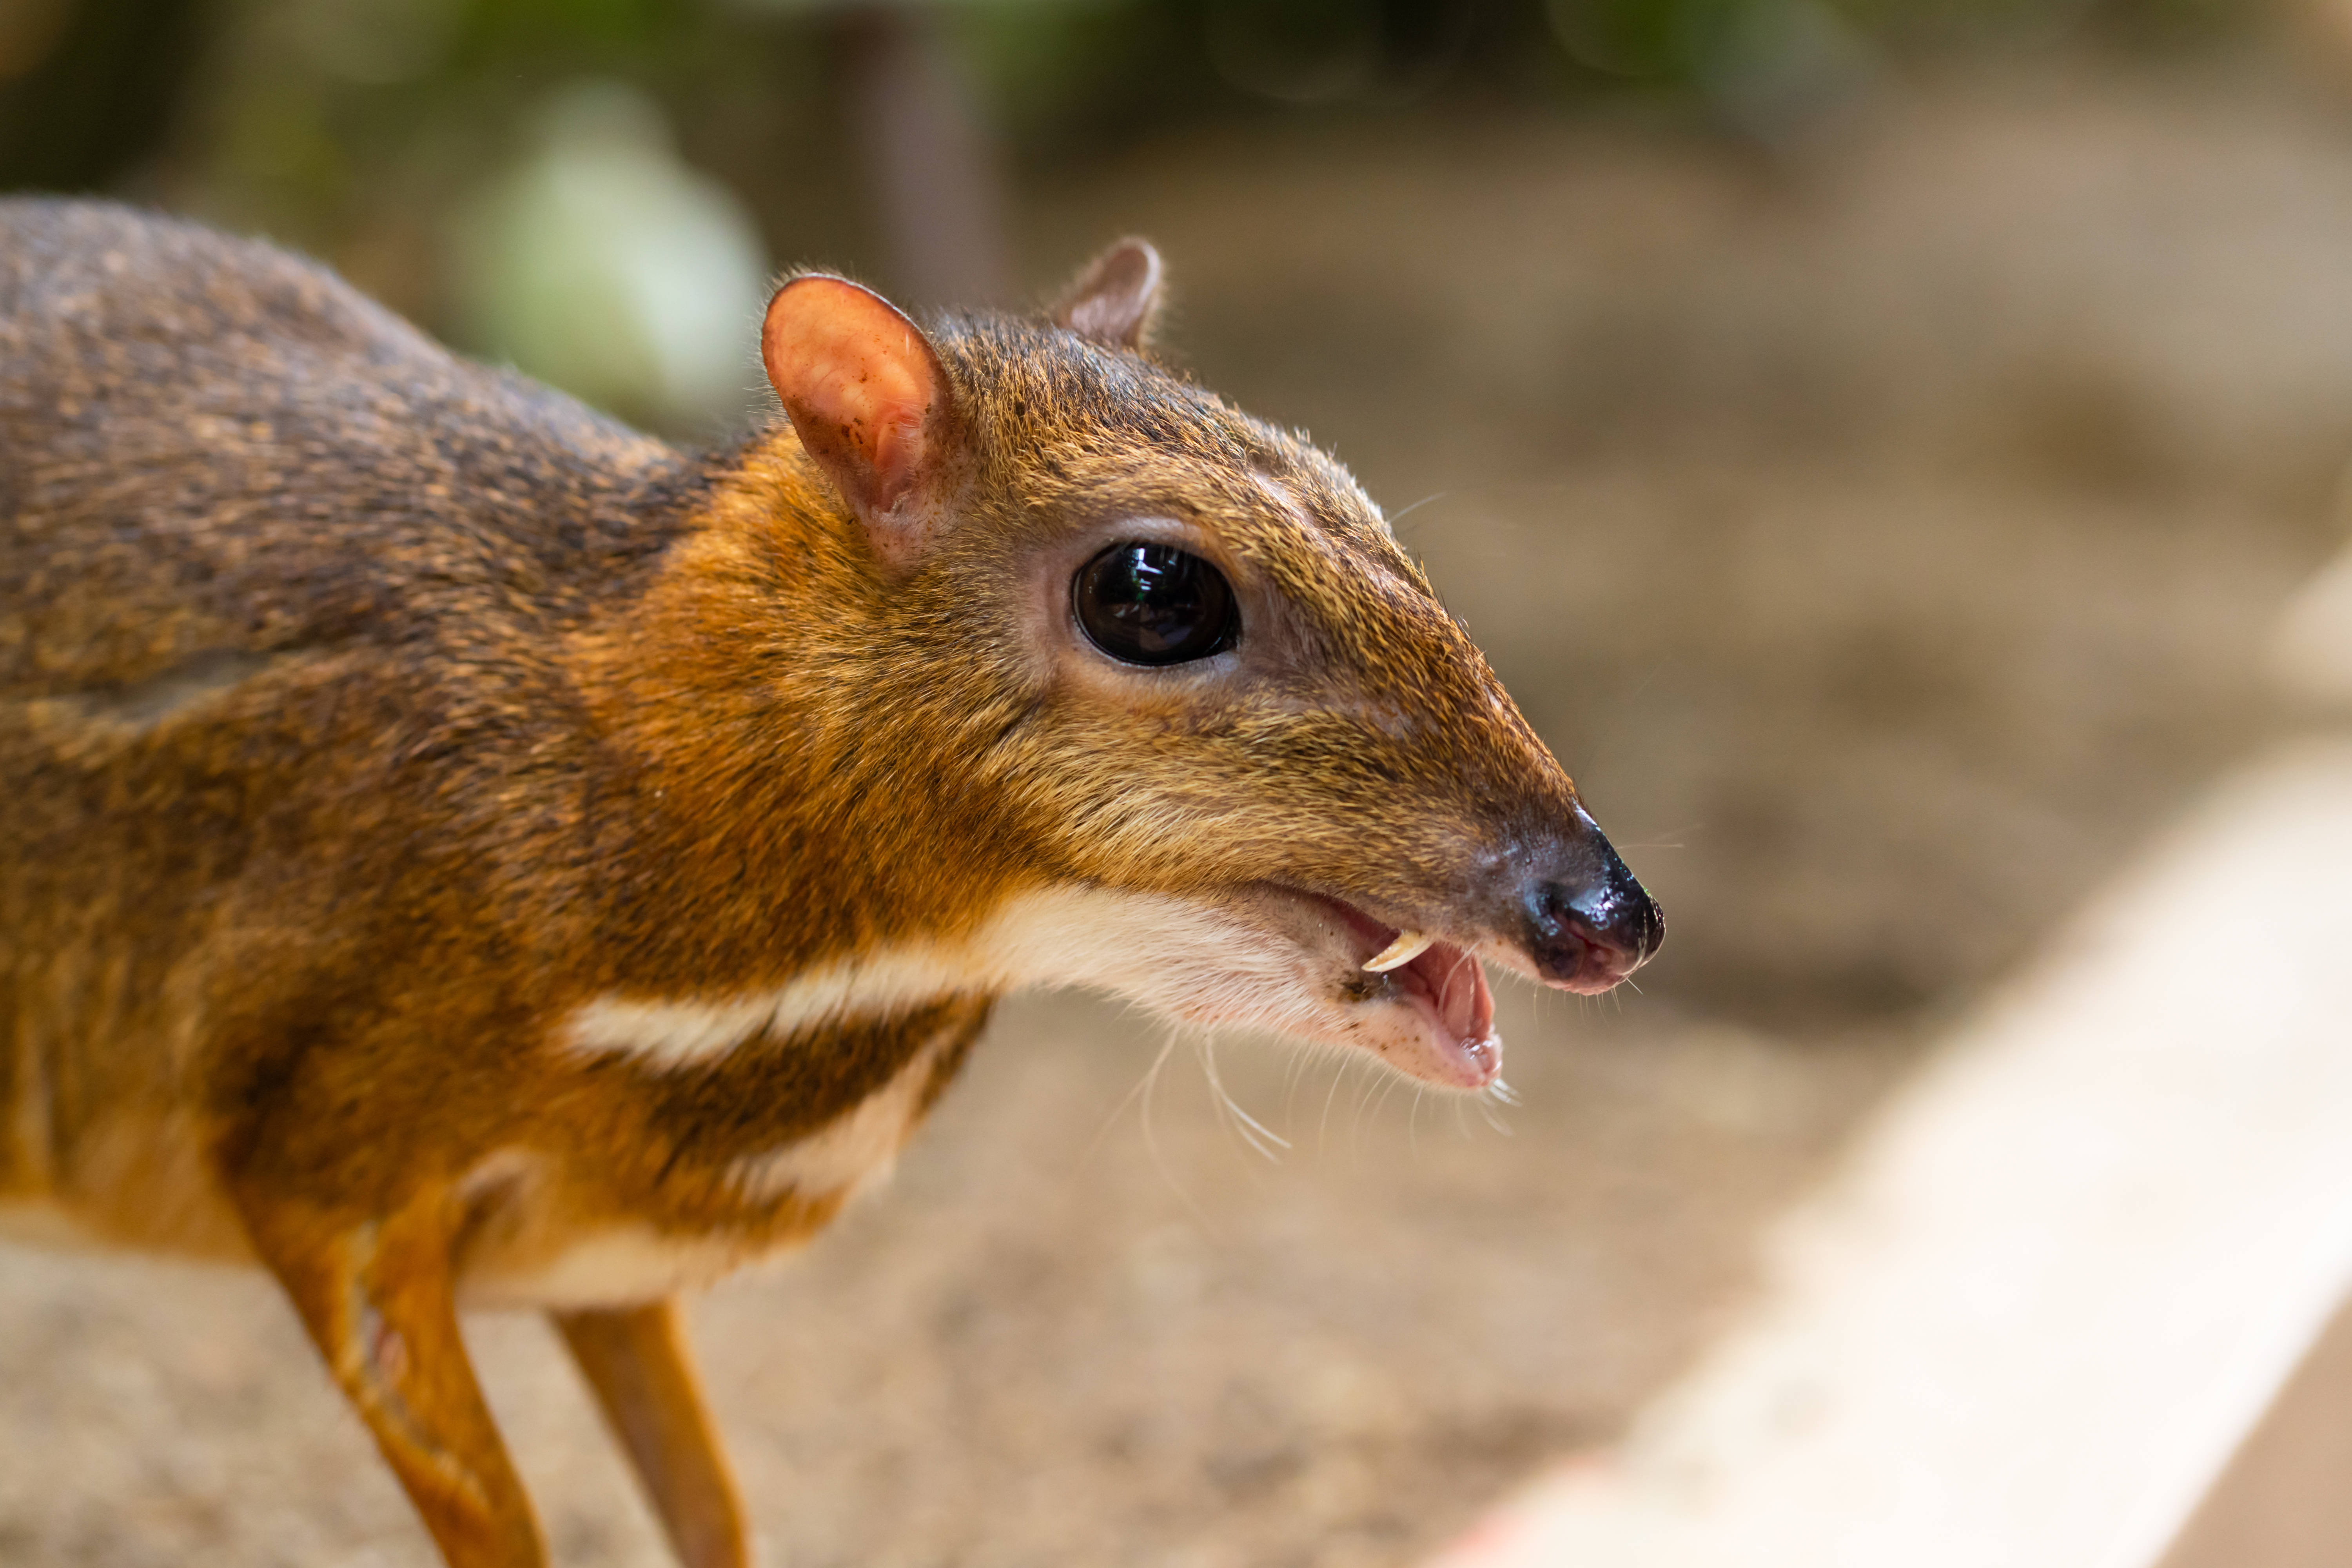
<point>1155,605</point>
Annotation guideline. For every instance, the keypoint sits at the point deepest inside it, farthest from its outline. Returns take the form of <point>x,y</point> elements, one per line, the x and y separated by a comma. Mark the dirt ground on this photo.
<point>1884,534</point>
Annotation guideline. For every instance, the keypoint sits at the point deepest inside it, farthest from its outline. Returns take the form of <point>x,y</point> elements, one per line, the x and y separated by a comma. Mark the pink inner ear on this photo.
<point>861,386</point>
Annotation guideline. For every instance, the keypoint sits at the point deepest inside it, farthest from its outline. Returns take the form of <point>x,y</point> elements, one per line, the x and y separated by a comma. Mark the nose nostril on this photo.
<point>1589,922</point>
<point>1616,914</point>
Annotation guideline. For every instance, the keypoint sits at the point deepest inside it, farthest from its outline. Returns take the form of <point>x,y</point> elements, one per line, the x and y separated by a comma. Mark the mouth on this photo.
<point>1421,1003</point>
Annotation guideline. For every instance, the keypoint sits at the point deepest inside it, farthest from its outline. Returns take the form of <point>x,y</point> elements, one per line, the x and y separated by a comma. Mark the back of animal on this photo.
<point>228,484</point>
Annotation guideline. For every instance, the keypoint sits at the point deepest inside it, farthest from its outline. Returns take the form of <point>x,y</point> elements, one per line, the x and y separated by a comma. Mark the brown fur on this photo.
<point>364,714</point>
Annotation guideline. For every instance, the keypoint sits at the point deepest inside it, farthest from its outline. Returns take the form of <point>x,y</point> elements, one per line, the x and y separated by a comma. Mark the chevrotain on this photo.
<point>457,850</point>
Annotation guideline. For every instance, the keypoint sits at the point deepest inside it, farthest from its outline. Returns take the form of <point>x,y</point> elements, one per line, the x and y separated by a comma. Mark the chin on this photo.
<point>1294,964</point>
<point>1258,958</point>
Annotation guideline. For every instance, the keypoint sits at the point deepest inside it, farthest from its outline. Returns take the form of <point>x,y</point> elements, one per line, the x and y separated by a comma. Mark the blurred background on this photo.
<point>1873,438</point>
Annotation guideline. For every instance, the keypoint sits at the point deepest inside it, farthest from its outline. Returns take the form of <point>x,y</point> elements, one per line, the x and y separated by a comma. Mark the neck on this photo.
<point>780,791</point>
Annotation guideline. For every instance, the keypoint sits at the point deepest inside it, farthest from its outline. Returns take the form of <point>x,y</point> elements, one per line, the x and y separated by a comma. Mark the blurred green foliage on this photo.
<point>90,90</point>
<point>357,128</point>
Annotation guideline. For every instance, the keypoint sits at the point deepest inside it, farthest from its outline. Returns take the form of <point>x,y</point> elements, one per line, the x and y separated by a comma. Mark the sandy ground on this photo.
<point>1884,536</point>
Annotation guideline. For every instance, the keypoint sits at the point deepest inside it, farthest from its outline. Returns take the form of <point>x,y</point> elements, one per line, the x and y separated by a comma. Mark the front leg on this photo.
<point>376,1294</point>
<point>636,1361</point>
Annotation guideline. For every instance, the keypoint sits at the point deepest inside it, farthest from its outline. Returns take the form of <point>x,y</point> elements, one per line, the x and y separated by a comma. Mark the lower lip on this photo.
<point>1452,1061</point>
<point>1441,1058</point>
<point>1446,1057</point>
<point>1478,1063</point>
<point>1469,1056</point>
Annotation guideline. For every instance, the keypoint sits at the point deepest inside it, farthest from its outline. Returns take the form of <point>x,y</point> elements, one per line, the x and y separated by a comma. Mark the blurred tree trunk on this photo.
<point>933,172</point>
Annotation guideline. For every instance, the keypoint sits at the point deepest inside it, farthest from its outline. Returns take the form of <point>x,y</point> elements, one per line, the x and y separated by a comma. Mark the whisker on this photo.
<point>1374,1086</point>
<point>1389,1082</point>
<point>1142,1087</point>
<point>1151,1143</point>
<point>1299,1061</point>
<point>1599,743</point>
<point>1323,1129</point>
<point>1396,517</point>
<point>1497,1094</point>
<point>1250,1127</point>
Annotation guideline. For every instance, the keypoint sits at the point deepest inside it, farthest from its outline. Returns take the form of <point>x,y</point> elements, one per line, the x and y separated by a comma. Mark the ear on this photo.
<point>1116,299</point>
<point>870,400</point>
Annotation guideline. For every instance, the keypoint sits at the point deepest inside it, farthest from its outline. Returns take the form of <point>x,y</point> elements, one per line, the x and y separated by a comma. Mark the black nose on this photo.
<point>1589,923</point>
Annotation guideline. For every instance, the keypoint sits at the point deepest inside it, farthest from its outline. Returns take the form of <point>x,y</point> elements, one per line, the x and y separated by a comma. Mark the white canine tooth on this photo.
<point>1407,946</point>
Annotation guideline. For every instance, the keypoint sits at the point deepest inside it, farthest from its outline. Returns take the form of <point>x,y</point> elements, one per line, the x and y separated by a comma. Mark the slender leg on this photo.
<point>636,1361</point>
<point>375,1295</point>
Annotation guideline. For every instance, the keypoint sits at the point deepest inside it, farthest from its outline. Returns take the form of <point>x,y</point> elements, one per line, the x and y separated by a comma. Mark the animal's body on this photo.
<point>455,849</point>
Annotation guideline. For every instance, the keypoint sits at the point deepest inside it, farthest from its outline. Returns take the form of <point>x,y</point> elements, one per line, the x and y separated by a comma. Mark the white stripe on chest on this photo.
<point>853,1148</point>
<point>632,1261</point>
<point>1185,958</point>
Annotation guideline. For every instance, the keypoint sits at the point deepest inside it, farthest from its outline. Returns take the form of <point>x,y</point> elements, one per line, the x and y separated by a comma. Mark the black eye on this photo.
<point>1154,603</point>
